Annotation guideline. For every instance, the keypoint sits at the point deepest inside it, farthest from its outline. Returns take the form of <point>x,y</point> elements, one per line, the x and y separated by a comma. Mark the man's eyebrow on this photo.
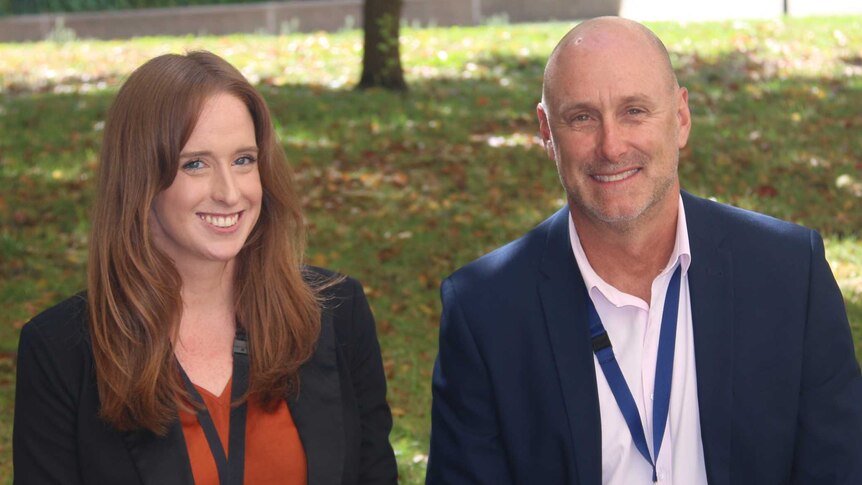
<point>630,99</point>
<point>637,98</point>
<point>575,105</point>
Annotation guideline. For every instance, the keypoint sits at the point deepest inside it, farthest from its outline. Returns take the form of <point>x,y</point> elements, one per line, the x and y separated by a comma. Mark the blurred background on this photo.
<point>411,127</point>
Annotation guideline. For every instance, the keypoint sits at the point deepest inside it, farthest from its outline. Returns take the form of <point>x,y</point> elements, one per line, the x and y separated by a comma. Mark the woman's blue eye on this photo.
<point>246,160</point>
<point>193,165</point>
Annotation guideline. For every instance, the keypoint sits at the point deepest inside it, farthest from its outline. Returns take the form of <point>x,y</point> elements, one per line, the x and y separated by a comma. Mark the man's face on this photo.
<point>614,121</point>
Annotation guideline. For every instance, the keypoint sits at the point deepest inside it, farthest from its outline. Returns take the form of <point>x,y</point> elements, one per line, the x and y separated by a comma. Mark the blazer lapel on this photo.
<point>160,460</point>
<point>709,278</point>
<point>564,304</point>
<point>317,410</point>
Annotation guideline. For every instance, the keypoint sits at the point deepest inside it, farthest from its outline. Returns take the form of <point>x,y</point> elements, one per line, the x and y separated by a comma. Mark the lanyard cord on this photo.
<point>663,372</point>
<point>230,468</point>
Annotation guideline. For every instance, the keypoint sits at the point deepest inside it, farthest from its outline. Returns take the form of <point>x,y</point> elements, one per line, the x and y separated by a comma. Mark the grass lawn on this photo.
<point>400,190</point>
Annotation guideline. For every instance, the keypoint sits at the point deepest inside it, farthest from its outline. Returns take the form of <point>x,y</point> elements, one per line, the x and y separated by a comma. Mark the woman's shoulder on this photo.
<point>343,301</point>
<point>331,285</point>
<point>62,325</point>
<point>54,349</point>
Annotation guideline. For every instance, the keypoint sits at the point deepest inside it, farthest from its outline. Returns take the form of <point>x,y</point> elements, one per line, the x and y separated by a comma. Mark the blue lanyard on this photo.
<point>663,372</point>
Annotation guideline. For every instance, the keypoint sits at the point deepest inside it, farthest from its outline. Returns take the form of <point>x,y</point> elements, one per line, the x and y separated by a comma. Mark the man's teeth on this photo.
<point>616,177</point>
<point>220,221</point>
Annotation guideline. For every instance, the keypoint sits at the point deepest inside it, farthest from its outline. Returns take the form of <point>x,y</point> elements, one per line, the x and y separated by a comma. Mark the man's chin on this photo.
<point>620,221</point>
<point>613,215</point>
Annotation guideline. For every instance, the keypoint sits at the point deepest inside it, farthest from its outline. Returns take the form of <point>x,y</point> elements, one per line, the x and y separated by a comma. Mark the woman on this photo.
<point>203,351</point>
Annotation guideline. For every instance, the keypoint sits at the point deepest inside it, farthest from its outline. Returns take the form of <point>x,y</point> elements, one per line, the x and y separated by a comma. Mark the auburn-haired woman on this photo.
<point>203,351</point>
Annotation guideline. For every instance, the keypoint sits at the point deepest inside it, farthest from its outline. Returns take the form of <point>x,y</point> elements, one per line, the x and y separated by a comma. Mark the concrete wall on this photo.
<point>824,7</point>
<point>733,9</point>
<point>542,10</point>
<point>701,9</point>
<point>272,17</point>
<point>331,15</point>
<point>674,10</point>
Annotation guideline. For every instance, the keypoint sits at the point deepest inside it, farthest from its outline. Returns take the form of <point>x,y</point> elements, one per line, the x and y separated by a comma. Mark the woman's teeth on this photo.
<point>220,221</point>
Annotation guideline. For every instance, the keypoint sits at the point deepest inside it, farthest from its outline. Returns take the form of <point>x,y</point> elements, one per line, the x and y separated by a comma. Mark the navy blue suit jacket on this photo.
<point>778,384</point>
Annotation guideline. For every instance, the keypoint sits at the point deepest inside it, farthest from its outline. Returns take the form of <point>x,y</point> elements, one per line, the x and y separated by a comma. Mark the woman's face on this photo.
<point>209,210</point>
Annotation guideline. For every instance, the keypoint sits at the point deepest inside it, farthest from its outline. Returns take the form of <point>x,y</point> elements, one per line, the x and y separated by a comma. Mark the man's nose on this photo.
<point>611,142</point>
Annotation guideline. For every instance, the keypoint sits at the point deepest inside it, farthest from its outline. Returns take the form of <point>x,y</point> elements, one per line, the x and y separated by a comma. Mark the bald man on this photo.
<point>642,334</point>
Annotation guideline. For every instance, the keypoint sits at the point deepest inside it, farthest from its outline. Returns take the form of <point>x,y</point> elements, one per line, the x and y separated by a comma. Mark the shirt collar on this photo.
<point>681,254</point>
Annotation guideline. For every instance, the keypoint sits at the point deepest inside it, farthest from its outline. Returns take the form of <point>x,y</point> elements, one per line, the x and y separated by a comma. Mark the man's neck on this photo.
<point>630,257</point>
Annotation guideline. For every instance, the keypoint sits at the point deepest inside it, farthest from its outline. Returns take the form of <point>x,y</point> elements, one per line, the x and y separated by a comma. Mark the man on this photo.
<point>642,334</point>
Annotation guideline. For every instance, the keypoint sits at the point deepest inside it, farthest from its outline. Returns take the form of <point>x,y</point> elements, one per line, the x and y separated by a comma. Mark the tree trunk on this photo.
<point>381,59</point>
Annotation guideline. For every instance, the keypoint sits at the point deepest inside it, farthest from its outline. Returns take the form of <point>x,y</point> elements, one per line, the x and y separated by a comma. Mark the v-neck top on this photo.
<point>273,450</point>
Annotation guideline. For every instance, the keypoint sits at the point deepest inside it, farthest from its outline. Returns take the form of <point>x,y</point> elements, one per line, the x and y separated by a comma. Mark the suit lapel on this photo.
<point>564,304</point>
<point>160,460</point>
<point>711,292</point>
<point>317,410</point>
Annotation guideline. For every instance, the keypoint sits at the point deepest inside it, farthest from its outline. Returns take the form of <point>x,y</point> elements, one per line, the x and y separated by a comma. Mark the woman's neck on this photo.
<point>207,288</point>
<point>208,325</point>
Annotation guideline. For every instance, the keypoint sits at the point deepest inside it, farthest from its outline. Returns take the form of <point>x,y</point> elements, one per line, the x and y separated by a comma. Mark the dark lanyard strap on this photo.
<point>663,372</point>
<point>231,468</point>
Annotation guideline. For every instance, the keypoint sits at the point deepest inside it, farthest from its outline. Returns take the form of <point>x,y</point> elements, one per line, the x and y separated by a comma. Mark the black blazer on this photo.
<point>341,411</point>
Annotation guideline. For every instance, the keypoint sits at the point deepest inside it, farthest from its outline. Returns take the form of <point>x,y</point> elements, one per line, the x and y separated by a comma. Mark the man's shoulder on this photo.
<point>724,219</point>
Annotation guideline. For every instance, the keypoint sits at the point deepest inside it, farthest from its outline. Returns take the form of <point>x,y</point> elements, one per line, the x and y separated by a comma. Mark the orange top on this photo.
<point>273,451</point>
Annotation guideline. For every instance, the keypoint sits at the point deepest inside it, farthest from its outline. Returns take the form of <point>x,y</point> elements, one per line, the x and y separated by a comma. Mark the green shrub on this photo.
<point>21,7</point>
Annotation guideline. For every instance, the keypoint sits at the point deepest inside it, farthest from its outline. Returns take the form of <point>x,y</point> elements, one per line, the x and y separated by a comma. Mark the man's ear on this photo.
<point>683,116</point>
<point>545,131</point>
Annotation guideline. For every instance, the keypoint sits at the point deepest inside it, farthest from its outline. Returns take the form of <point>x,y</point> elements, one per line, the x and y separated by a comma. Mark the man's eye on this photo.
<point>634,111</point>
<point>193,165</point>
<point>246,160</point>
<point>581,118</point>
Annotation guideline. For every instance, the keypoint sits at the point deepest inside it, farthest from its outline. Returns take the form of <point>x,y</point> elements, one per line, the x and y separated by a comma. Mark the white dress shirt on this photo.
<point>633,326</point>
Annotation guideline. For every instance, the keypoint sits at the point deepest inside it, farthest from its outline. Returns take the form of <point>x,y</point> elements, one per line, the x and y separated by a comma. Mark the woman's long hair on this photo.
<point>134,289</point>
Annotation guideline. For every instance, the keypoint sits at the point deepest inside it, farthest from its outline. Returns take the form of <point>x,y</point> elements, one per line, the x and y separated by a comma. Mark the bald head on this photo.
<point>606,36</point>
<point>613,119</point>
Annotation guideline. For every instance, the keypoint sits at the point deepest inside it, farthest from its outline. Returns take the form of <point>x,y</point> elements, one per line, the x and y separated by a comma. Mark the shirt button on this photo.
<point>651,396</point>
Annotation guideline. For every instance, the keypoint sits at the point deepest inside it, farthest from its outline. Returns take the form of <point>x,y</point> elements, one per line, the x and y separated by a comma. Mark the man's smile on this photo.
<point>616,177</point>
